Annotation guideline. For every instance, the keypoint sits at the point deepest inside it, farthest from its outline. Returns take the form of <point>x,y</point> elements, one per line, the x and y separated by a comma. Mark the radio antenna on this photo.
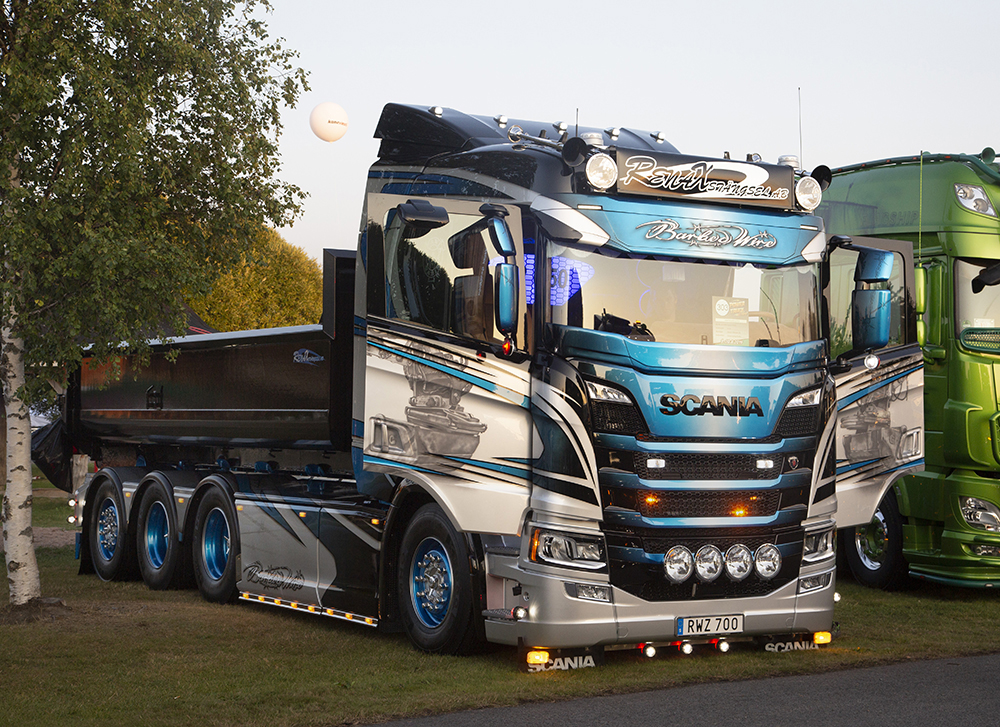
<point>802,163</point>
<point>577,120</point>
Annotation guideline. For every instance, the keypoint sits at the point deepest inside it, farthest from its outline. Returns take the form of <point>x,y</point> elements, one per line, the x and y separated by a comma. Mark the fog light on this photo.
<point>649,650</point>
<point>687,648</point>
<point>822,637</point>
<point>538,657</point>
<point>980,514</point>
<point>591,592</point>
<point>739,562</point>
<point>767,561</point>
<point>811,583</point>
<point>71,519</point>
<point>708,563</point>
<point>836,597</point>
<point>678,564</point>
<point>520,613</point>
<point>992,551</point>
<point>723,646</point>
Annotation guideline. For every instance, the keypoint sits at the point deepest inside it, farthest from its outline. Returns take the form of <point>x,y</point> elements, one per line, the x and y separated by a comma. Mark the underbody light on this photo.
<point>723,646</point>
<point>686,647</point>
<point>822,637</point>
<point>649,650</point>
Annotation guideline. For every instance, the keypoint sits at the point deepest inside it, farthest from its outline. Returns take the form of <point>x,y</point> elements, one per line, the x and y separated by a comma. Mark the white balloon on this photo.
<point>328,121</point>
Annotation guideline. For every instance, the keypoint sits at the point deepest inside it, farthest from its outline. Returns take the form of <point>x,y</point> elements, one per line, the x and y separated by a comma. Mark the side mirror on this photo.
<point>870,319</point>
<point>874,266</point>
<point>920,302</point>
<point>421,216</point>
<point>500,236</point>
<point>506,280</point>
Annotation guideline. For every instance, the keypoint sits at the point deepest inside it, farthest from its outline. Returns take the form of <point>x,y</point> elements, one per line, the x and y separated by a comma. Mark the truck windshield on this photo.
<point>975,310</point>
<point>664,299</point>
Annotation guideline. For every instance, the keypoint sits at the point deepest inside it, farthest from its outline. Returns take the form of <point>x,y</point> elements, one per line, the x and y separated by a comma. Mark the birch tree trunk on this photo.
<point>15,516</point>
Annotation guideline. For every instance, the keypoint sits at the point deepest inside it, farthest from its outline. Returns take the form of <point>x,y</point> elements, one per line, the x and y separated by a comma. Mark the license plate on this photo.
<point>707,625</point>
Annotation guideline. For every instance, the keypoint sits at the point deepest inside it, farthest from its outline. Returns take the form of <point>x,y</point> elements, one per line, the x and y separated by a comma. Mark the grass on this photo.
<point>125,654</point>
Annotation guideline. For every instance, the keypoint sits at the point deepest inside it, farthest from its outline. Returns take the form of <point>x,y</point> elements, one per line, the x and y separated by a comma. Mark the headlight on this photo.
<point>806,398</point>
<point>708,563</point>
<point>767,561</point>
<point>678,564</point>
<point>602,172</point>
<point>973,197</point>
<point>739,562</point>
<point>575,551</point>
<point>808,193</point>
<point>981,514</point>
<point>819,546</point>
<point>601,392</point>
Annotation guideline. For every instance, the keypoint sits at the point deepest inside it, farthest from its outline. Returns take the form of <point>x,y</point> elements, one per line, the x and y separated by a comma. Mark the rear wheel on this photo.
<point>215,545</point>
<point>157,542</point>
<point>875,551</point>
<point>435,588</point>
<point>107,532</point>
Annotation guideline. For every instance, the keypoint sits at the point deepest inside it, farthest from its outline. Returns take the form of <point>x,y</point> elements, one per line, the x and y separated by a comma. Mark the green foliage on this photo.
<point>276,284</point>
<point>141,139</point>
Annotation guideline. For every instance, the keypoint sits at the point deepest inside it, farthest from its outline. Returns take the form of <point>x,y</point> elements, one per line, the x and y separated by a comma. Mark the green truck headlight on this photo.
<point>981,514</point>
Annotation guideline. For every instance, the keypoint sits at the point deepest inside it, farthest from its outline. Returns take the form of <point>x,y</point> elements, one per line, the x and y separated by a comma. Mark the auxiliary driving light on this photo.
<point>686,647</point>
<point>723,646</point>
<point>520,613</point>
<point>678,564</point>
<point>649,650</point>
<point>739,562</point>
<point>767,561</point>
<point>808,193</point>
<point>822,637</point>
<point>708,563</point>
<point>602,172</point>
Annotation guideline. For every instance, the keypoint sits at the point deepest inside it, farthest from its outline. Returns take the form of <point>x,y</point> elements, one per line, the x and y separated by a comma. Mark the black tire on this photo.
<point>157,542</point>
<point>435,588</point>
<point>107,532</point>
<point>215,546</point>
<point>874,551</point>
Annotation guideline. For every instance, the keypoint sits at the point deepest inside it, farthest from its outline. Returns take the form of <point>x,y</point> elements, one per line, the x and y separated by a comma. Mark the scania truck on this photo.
<point>942,524</point>
<point>572,393</point>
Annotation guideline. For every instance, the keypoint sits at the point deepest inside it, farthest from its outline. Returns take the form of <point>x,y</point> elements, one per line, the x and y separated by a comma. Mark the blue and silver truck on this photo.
<point>573,392</point>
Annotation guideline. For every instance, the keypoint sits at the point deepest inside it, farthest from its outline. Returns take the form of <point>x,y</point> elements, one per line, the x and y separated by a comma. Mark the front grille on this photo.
<point>798,422</point>
<point>708,503</point>
<point>617,418</point>
<point>708,466</point>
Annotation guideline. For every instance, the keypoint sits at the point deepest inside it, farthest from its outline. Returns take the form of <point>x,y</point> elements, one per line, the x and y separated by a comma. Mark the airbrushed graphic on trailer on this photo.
<point>876,433</point>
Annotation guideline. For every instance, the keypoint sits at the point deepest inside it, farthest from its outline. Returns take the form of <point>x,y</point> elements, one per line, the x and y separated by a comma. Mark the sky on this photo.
<point>868,79</point>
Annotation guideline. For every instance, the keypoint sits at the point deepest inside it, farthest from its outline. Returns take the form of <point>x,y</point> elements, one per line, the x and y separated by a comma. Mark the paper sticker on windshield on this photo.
<point>730,321</point>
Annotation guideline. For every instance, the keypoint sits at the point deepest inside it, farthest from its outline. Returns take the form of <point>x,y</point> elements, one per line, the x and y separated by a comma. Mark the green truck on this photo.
<point>941,524</point>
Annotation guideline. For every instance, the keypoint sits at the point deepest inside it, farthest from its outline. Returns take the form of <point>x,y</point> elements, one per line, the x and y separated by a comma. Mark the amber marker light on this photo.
<point>652,499</point>
<point>538,657</point>
<point>739,511</point>
<point>822,637</point>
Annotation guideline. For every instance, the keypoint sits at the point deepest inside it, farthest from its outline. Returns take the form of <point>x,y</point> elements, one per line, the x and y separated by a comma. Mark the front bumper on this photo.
<point>554,618</point>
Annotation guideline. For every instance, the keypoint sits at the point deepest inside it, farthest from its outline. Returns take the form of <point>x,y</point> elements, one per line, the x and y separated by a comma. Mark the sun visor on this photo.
<point>562,222</point>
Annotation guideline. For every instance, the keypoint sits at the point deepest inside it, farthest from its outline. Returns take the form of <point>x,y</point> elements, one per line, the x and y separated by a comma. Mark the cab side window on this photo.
<point>441,278</point>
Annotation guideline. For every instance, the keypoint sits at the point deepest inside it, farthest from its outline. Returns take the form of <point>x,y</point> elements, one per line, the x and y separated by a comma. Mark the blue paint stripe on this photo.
<point>392,463</point>
<point>907,465</point>
<point>847,401</point>
<point>482,383</point>
<point>512,471</point>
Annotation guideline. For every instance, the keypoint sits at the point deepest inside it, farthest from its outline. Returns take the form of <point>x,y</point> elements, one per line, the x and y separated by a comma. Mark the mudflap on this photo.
<point>804,641</point>
<point>532,660</point>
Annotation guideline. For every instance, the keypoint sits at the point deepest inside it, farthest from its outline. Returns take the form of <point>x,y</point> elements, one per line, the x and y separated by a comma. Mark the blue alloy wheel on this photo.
<point>215,545</point>
<point>157,535</point>
<point>431,582</point>
<point>107,528</point>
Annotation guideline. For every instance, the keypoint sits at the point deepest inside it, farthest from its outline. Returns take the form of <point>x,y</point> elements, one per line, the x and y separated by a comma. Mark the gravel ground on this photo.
<point>49,537</point>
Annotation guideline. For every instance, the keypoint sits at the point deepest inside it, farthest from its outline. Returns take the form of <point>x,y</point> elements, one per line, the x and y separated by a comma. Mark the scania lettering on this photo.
<point>477,442</point>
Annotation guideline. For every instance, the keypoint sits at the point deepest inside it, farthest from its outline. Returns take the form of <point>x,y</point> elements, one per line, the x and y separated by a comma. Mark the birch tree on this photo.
<point>140,139</point>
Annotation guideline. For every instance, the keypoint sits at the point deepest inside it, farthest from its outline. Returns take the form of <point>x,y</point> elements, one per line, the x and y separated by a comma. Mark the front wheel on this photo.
<point>875,551</point>
<point>215,545</point>
<point>435,588</point>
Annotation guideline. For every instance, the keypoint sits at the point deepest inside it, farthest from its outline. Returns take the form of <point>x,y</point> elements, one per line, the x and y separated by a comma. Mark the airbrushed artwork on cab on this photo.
<point>435,421</point>
<point>877,413</point>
